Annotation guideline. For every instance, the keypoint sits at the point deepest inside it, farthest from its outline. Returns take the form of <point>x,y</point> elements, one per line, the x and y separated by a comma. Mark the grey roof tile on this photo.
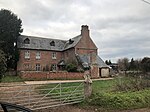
<point>101,63</point>
<point>75,41</point>
<point>44,43</point>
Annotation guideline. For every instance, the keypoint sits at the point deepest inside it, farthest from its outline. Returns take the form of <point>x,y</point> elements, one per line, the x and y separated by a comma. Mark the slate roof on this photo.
<point>101,63</point>
<point>44,43</point>
<point>75,41</point>
<point>84,59</point>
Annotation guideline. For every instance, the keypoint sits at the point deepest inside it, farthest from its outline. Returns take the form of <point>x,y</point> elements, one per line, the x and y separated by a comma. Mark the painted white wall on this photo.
<point>105,72</point>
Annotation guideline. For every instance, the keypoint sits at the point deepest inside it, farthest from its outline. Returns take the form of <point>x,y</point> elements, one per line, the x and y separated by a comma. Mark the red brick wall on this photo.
<point>69,55</point>
<point>86,45</point>
<point>46,59</point>
<point>94,71</point>
<point>50,75</point>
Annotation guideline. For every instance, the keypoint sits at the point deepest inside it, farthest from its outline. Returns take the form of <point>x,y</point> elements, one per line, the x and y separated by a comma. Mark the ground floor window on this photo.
<point>54,67</point>
<point>38,67</point>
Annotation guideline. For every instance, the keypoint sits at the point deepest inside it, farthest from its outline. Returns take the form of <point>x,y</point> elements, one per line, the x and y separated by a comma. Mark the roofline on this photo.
<point>40,49</point>
<point>42,37</point>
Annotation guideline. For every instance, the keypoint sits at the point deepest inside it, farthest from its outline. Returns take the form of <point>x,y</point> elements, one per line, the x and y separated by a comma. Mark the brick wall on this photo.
<point>45,60</point>
<point>50,75</point>
<point>94,71</point>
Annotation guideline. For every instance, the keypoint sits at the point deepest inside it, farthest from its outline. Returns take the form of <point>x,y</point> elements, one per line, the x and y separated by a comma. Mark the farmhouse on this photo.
<point>52,55</point>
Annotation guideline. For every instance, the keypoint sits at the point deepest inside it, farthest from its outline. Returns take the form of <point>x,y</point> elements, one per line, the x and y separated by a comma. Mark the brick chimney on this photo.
<point>85,30</point>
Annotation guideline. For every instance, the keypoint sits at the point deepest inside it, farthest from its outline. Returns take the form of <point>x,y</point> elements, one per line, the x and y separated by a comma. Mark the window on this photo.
<point>70,41</point>
<point>54,67</point>
<point>54,55</point>
<point>38,55</point>
<point>38,67</point>
<point>27,41</point>
<point>27,55</point>
<point>52,43</point>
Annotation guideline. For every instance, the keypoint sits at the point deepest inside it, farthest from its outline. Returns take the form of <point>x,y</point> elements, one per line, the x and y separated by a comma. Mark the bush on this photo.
<point>121,100</point>
<point>132,84</point>
<point>71,68</point>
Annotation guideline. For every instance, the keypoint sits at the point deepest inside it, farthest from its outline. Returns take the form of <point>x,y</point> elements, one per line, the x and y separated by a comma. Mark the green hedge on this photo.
<point>124,100</point>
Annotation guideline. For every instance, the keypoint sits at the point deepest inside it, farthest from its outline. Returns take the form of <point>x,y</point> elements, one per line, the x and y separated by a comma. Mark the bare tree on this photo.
<point>123,64</point>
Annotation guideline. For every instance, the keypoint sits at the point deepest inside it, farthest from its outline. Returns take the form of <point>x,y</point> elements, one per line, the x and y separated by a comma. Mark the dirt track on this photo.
<point>70,108</point>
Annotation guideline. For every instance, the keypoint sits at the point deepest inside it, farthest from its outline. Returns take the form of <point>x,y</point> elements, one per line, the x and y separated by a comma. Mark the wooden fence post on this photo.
<point>87,85</point>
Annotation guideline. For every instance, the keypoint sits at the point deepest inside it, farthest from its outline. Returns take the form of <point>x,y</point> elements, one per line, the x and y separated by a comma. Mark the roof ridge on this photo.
<point>43,38</point>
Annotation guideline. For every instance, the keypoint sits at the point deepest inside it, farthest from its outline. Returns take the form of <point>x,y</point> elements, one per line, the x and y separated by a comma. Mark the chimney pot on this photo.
<point>85,30</point>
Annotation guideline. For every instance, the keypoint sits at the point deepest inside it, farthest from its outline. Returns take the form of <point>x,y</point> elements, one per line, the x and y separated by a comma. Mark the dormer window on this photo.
<point>52,43</point>
<point>27,41</point>
<point>70,41</point>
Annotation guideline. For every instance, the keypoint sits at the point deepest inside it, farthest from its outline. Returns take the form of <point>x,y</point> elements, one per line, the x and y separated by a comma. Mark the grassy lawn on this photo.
<point>8,78</point>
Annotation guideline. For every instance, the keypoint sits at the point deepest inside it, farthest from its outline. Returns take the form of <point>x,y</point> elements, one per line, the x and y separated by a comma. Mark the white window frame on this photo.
<point>53,55</point>
<point>54,67</point>
<point>27,54</point>
<point>37,67</point>
<point>38,55</point>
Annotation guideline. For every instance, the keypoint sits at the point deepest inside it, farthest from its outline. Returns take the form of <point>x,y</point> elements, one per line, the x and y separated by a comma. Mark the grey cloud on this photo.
<point>119,28</point>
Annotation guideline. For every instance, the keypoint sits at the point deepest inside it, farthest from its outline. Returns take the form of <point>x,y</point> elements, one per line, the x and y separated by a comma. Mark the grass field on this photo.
<point>8,78</point>
<point>106,95</point>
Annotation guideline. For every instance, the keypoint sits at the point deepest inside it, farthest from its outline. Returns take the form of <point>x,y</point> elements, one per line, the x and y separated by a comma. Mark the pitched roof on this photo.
<point>84,60</point>
<point>74,40</point>
<point>44,43</point>
<point>101,63</point>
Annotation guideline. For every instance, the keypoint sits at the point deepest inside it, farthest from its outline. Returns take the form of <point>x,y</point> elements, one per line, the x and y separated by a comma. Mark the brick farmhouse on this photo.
<point>47,58</point>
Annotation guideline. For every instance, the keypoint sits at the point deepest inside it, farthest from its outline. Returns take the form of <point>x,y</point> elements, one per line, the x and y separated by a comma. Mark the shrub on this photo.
<point>121,100</point>
<point>71,68</point>
<point>132,84</point>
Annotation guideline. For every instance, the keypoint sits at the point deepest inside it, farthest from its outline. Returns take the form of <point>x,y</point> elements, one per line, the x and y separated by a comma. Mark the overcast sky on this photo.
<point>120,28</point>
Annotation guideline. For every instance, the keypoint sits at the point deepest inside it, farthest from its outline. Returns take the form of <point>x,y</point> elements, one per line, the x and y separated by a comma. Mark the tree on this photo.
<point>132,65</point>
<point>123,64</point>
<point>107,62</point>
<point>2,64</point>
<point>145,64</point>
<point>10,29</point>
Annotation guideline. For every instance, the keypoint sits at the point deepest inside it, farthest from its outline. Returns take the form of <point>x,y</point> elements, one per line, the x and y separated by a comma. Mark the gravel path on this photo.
<point>62,81</point>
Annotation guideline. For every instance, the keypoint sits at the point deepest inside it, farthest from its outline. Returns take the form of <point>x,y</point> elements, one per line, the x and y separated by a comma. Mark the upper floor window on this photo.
<point>71,41</point>
<point>27,55</point>
<point>38,67</point>
<point>54,55</point>
<point>52,43</point>
<point>38,55</point>
<point>27,41</point>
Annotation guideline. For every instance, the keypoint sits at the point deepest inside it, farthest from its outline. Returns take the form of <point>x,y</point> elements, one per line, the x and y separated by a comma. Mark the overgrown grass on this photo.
<point>106,94</point>
<point>9,78</point>
<point>102,86</point>
<point>121,100</point>
<point>132,84</point>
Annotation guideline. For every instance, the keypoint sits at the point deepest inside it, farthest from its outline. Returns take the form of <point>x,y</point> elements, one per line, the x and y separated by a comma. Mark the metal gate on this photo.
<point>40,96</point>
